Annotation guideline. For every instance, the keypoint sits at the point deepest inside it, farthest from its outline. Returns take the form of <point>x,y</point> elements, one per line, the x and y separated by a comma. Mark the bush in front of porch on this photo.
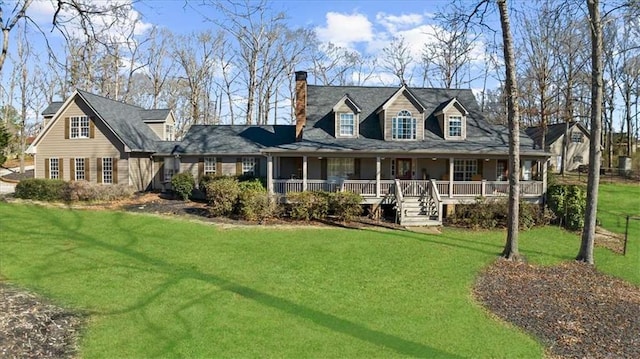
<point>487,213</point>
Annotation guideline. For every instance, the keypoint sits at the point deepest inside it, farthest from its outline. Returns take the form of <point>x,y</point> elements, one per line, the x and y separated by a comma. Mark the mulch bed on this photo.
<point>576,311</point>
<point>17,176</point>
<point>30,327</point>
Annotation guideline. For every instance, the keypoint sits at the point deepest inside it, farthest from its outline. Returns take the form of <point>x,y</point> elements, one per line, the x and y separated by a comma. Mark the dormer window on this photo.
<point>576,137</point>
<point>403,126</point>
<point>455,126</point>
<point>347,124</point>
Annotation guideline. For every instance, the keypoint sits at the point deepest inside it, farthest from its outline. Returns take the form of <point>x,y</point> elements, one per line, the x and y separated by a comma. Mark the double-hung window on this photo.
<point>54,168</point>
<point>463,170</point>
<point>347,124</point>
<point>171,165</point>
<point>248,166</point>
<point>209,165</point>
<point>79,169</point>
<point>403,126</point>
<point>455,126</point>
<point>107,170</point>
<point>79,127</point>
<point>340,168</point>
<point>168,133</point>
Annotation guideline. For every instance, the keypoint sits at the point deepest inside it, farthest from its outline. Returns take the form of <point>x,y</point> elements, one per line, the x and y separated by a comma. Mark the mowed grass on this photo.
<point>158,287</point>
<point>615,203</point>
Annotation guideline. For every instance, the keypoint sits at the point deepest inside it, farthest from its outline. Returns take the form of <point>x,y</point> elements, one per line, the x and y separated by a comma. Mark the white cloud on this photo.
<point>344,30</point>
<point>393,23</point>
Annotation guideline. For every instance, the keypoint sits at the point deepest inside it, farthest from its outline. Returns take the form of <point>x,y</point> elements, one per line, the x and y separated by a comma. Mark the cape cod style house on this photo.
<point>421,149</point>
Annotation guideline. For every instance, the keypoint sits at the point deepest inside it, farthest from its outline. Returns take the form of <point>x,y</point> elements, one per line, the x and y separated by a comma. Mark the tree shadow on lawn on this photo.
<point>177,273</point>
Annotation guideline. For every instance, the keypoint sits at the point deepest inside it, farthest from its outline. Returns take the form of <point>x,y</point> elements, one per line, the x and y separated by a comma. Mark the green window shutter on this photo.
<point>72,167</point>
<point>115,170</point>
<point>60,168</point>
<point>87,169</point>
<point>46,168</point>
<point>92,127</point>
<point>67,126</point>
<point>238,166</point>
<point>219,166</point>
<point>99,169</point>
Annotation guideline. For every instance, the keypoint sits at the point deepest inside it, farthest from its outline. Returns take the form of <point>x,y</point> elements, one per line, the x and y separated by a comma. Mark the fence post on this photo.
<point>626,236</point>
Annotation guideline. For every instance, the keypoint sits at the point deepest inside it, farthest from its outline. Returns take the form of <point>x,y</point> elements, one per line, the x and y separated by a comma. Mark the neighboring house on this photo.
<point>418,149</point>
<point>577,151</point>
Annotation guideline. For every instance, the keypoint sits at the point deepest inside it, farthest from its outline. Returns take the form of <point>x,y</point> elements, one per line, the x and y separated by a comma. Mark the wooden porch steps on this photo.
<point>415,213</point>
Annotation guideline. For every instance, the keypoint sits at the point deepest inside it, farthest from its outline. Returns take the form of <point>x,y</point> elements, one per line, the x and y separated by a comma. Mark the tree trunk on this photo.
<point>511,246</point>
<point>588,233</point>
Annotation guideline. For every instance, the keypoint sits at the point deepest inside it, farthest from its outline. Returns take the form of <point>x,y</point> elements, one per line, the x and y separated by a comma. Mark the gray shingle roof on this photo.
<point>52,108</point>
<point>554,132</point>
<point>154,114</point>
<point>229,139</point>
<point>482,137</point>
<point>125,120</point>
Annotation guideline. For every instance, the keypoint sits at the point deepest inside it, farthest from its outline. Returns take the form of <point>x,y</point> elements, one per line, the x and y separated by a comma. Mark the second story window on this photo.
<point>347,124</point>
<point>455,126</point>
<point>403,126</point>
<point>168,133</point>
<point>79,127</point>
<point>576,137</point>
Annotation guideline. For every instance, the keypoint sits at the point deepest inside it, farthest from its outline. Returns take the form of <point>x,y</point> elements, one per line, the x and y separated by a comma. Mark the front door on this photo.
<point>403,168</point>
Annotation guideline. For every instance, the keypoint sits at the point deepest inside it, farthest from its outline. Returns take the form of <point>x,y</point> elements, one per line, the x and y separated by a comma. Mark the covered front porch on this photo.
<point>417,186</point>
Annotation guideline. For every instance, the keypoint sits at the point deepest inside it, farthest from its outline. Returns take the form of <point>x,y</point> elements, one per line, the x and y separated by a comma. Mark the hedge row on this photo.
<point>58,190</point>
<point>489,213</point>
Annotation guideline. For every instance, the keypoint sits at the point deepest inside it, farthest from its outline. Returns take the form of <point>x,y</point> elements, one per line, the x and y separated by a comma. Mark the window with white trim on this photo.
<point>576,137</point>
<point>463,170</point>
<point>107,170</point>
<point>455,126</point>
<point>340,168</point>
<point>577,159</point>
<point>79,127</point>
<point>347,124</point>
<point>79,169</point>
<point>248,166</point>
<point>500,171</point>
<point>403,126</point>
<point>168,133</point>
<point>54,168</point>
<point>209,165</point>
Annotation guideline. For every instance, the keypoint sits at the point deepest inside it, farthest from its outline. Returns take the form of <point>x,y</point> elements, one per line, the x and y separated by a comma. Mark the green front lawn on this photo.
<point>157,287</point>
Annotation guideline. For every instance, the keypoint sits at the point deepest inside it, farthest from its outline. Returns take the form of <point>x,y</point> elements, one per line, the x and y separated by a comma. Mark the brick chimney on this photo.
<point>301,103</point>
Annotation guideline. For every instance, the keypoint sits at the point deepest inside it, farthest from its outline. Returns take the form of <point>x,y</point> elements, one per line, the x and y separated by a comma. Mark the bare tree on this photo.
<point>511,246</point>
<point>19,12</point>
<point>585,253</point>
<point>397,60</point>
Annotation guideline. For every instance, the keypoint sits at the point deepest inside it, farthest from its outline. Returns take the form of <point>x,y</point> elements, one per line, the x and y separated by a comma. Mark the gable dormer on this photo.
<point>402,116</point>
<point>161,122</point>
<point>346,118</point>
<point>452,118</point>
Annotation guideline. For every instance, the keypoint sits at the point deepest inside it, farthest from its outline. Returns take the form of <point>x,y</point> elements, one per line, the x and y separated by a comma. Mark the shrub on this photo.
<point>308,205</point>
<point>40,189</point>
<point>183,184</point>
<point>345,205</point>
<point>489,214</point>
<point>254,203</point>
<point>222,195</point>
<point>85,191</point>
<point>568,203</point>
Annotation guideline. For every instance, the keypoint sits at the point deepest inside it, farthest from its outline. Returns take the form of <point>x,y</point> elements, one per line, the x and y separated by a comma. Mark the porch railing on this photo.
<point>409,188</point>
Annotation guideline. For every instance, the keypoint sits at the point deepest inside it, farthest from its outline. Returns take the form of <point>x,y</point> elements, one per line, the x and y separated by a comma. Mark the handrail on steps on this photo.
<point>399,200</point>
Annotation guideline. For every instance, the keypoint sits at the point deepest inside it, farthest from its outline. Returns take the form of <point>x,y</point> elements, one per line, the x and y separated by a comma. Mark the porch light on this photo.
<point>433,159</point>
<point>486,160</point>
<point>319,158</point>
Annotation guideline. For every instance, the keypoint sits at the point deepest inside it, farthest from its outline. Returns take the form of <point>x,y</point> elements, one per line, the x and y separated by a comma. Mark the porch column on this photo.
<point>378,177</point>
<point>451,177</point>
<point>270,174</point>
<point>304,173</point>
<point>544,176</point>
